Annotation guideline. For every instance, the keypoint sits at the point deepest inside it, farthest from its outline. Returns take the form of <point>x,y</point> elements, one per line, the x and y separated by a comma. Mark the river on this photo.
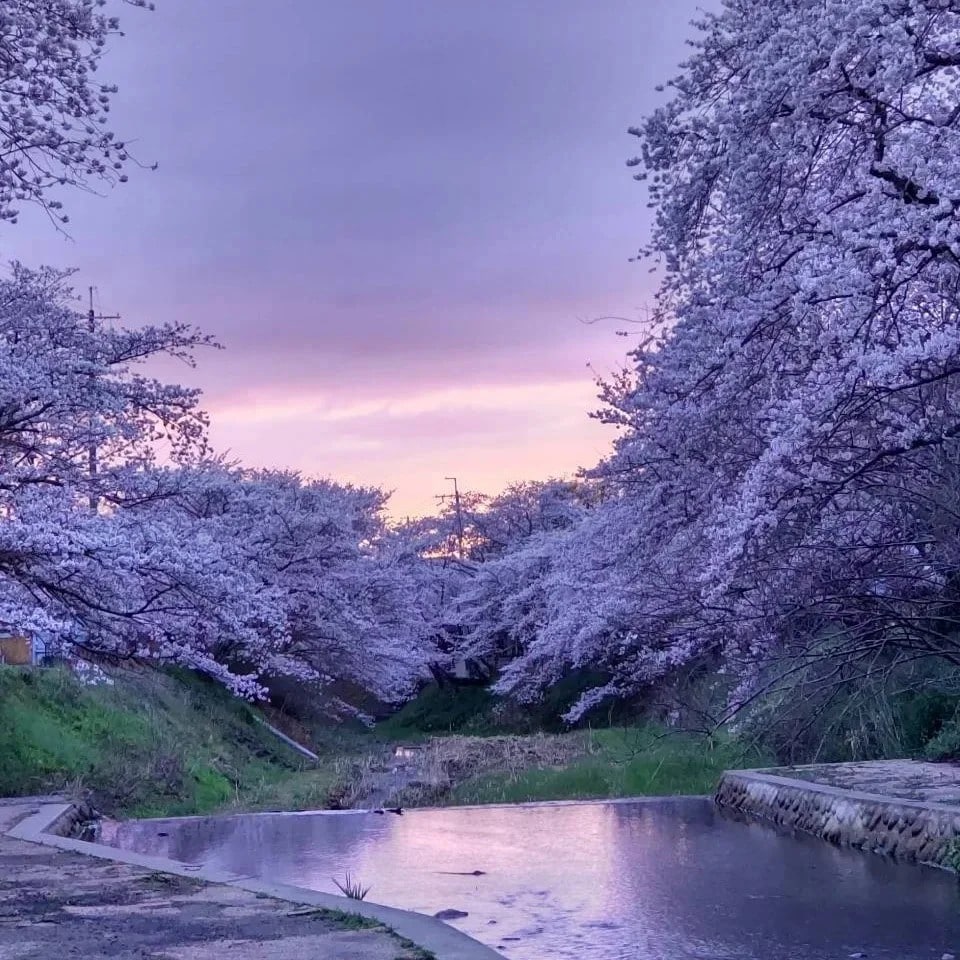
<point>673,879</point>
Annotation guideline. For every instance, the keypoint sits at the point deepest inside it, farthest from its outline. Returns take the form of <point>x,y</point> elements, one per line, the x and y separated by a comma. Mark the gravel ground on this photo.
<point>56,905</point>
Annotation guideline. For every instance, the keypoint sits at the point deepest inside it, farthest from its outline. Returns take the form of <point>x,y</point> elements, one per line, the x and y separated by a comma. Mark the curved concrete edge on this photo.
<point>429,933</point>
<point>524,805</point>
<point>906,829</point>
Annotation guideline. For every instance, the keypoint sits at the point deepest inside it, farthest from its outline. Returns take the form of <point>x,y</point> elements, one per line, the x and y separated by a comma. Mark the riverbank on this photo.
<point>144,743</point>
<point>153,744</point>
<point>640,761</point>
<point>57,903</point>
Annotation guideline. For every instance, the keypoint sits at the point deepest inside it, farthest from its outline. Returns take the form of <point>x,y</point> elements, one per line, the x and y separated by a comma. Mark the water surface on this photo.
<point>657,880</point>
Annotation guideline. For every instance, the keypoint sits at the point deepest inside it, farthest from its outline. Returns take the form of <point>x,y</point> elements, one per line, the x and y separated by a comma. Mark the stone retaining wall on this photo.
<point>908,829</point>
<point>78,820</point>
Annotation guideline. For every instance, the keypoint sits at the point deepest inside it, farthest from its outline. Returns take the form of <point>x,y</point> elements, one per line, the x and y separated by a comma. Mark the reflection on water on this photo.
<point>663,880</point>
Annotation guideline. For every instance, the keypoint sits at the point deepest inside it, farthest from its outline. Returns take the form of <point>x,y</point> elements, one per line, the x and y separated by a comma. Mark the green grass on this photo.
<point>945,744</point>
<point>437,711</point>
<point>412,951</point>
<point>153,744</point>
<point>475,711</point>
<point>623,762</point>
<point>344,920</point>
<point>172,744</point>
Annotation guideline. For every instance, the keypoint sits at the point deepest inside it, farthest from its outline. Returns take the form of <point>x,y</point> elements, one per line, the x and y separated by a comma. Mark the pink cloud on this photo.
<point>487,435</point>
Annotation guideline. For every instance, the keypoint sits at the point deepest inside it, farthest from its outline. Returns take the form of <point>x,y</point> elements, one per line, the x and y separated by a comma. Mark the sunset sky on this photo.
<point>396,215</point>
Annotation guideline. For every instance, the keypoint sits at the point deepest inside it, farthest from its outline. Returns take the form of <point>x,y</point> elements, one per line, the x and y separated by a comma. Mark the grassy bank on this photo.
<point>625,762</point>
<point>155,744</point>
<point>150,744</point>
<point>478,749</point>
<point>455,769</point>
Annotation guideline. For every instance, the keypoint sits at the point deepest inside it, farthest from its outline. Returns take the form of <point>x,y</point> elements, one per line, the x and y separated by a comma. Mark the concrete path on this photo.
<point>55,905</point>
<point>902,779</point>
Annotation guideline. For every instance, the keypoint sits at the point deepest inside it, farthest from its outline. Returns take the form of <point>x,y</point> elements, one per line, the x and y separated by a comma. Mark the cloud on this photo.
<point>391,214</point>
<point>488,435</point>
<point>273,407</point>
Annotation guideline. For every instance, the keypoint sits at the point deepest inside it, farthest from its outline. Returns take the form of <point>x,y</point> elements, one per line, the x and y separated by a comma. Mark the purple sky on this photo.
<point>393,213</point>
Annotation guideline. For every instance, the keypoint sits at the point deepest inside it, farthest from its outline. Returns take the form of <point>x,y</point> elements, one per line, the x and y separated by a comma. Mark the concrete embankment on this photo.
<point>906,809</point>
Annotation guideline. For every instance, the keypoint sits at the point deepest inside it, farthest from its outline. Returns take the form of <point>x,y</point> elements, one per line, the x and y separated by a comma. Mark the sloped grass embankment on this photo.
<point>151,744</point>
<point>175,744</point>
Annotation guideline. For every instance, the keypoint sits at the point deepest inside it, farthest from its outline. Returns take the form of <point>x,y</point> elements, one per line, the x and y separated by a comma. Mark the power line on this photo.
<point>93,317</point>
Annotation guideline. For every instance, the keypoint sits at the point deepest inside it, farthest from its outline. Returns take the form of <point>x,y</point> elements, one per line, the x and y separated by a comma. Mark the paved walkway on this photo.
<point>899,779</point>
<point>56,904</point>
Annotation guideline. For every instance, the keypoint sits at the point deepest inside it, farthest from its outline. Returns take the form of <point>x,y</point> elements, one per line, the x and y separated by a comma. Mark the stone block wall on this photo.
<point>911,830</point>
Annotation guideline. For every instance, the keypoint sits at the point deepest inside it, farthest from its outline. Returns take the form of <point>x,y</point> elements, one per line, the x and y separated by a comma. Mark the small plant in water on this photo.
<point>351,888</point>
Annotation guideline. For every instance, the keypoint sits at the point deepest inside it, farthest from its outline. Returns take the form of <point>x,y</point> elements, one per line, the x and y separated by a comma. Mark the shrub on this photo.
<point>946,744</point>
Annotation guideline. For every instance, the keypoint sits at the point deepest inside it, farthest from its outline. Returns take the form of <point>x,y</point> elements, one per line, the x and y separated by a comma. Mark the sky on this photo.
<point>397,216</point>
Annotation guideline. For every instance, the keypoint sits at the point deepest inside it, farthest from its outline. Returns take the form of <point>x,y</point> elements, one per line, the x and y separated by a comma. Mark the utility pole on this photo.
<point>92,318</point>
<point>456,503</point>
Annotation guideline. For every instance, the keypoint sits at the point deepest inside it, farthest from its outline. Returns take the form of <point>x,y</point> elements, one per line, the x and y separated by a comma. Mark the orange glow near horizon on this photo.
<point>485,435</point>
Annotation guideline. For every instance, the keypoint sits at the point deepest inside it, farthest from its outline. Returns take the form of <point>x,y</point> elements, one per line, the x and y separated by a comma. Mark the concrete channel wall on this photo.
<point>908,829</point>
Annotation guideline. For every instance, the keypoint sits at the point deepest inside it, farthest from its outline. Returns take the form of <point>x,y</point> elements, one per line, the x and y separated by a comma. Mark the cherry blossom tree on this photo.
<point>501,602</point>
<point>348,592</point>
<point>789,428</point>
<point>497,524</point>
<point>54,115</point>
<point>121,536</point>
<point>503,607</point>
<point>82,426</point>
<point>74,407</point>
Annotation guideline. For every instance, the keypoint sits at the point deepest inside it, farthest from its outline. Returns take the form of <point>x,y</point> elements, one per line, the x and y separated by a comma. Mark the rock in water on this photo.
<point>451,914</point>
